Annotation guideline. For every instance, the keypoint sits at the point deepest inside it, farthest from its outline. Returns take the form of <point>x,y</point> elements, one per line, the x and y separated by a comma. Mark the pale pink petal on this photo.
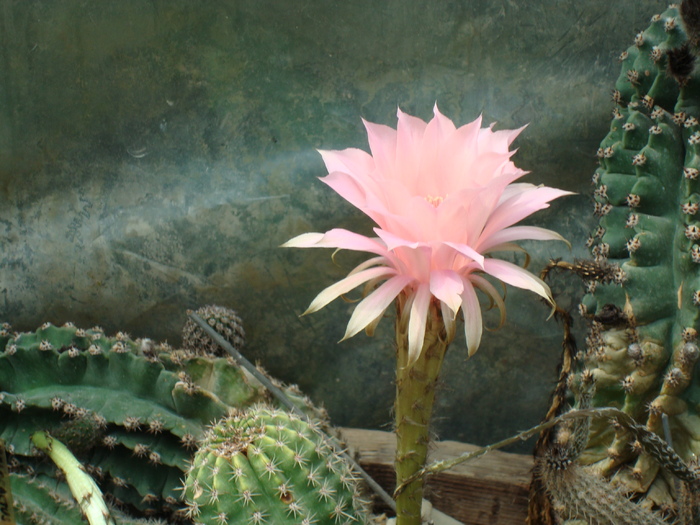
<point>520,206</point>
<point>473,325</point>
<point>305,240</point>
<point>409,134</point>
<point>347,187</point>
<point>416,262</point>
<point>467,251</point>
<point>338,238</point>
<point>351,160</point>
<point>382,143</point>
<point>449,320</point>
<point>432,154</point>
<point>366,196</point>
<point>393,241</point>
<point>374,261</point>
<point>374,304</point>
<point>500,141</point>
<point>518,233</point>
<point>460,159</point>
<point>343,286</point>
<point>447,286</point>
<point>486,287</point>
<point>510,247</point>
<point>515,188</point>
<point>417,322</point>
<point>514,275</point>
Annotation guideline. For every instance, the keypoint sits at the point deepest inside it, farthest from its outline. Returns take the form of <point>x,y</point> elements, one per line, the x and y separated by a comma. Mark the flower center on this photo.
<point>435,201</point>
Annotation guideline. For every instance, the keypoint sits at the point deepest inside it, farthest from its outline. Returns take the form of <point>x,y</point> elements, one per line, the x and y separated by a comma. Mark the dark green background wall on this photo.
<point>155,153</point>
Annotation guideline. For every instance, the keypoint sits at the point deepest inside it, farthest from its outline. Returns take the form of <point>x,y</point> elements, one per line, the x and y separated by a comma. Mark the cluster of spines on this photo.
<point>269,466</point>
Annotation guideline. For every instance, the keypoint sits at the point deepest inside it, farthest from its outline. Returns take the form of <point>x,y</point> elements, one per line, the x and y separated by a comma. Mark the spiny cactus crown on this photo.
<point>269,466</point>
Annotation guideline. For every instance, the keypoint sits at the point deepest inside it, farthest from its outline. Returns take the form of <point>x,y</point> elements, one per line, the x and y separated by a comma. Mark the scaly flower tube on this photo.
<point>443,200</point>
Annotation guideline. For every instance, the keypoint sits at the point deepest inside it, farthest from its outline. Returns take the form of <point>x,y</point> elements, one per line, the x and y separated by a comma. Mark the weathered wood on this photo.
<point>488,490</point>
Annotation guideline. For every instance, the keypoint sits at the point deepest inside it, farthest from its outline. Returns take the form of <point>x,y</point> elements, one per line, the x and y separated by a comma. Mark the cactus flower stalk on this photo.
<point>443,200</point>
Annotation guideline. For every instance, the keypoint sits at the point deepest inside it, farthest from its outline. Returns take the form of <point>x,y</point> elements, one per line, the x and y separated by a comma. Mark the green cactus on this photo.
<point>269,466</point>
<point>131,410</point>
<point>643,299</point>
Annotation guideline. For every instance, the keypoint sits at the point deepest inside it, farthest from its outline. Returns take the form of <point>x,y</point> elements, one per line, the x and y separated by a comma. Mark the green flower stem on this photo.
<point>415,396</point>
<point>83,487</point>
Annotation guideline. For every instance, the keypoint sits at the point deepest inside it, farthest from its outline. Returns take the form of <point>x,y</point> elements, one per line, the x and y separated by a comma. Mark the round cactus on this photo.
<point>268,466</point>
<point>224,320</point>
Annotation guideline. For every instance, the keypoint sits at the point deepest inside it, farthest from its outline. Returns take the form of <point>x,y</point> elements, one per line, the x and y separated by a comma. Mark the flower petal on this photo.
<point>518,207</point>
<point>449,320</point>
<point>517,233</point>
<point>486,287</point>
<point>417,322</point>
<point>467,251</point>
<point>382,143</point>
<point>514,275</point>
<point>447,286</point>
<point>351,160</point>
<point>473,326</point>
<point>343,286</point>
<point>374,304</point>
<point>338,238</point>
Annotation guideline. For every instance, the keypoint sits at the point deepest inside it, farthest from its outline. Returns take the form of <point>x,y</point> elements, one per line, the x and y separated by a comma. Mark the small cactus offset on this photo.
<point>224,320</point>
<point>269,466</point>
<point>643,284</point>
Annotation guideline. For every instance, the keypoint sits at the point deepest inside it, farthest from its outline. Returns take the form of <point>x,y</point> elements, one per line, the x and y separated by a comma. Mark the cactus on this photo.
<point>643,286</point>
<point>131,410</point>
<point>224,320</point>
<point>269,466</point>
<point>578,493</point>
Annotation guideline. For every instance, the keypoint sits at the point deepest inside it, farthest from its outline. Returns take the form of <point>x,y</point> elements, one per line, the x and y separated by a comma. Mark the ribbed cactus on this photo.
<point>269,466</point>
<point>132,411</point>
<point>224,320</point>
<point>643,298</point>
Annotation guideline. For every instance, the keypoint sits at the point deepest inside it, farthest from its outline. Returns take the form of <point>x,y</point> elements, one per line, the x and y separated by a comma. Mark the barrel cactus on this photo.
<point>269,466</point>
<point>643,284</point>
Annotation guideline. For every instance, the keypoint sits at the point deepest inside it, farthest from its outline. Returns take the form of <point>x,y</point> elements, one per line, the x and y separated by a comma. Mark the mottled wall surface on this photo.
<point>155,154</point>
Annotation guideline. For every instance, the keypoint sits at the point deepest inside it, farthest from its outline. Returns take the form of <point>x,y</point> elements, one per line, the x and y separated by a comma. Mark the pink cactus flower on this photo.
<point>443,199</point>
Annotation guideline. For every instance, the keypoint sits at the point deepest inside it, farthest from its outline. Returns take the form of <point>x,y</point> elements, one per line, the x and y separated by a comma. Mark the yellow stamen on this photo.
<point>435,201</point>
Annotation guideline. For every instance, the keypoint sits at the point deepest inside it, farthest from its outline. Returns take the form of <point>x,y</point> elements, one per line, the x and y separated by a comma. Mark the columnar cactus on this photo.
<point>643,299</point>
<point>269,466</point>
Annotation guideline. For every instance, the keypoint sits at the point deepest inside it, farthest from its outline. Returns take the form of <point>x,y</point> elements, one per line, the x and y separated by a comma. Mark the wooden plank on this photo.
<point>489,490</point>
